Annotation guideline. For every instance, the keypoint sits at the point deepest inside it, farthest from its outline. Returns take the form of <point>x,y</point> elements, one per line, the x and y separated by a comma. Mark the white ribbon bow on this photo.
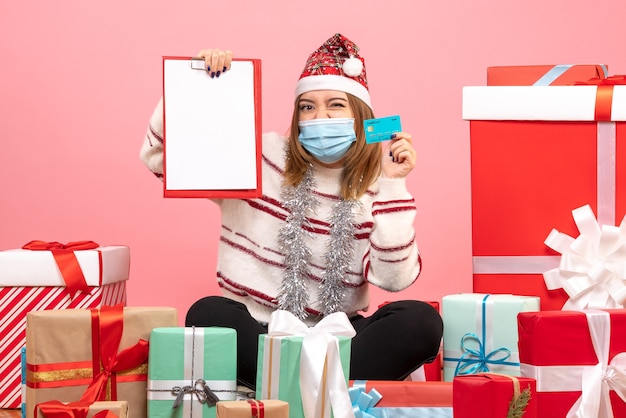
<point>593,266</point>
<point>597,381</point>
<point>321,374</point>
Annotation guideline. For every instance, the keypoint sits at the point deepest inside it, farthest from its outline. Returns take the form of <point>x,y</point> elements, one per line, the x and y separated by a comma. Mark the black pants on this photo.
<point>389,344</point>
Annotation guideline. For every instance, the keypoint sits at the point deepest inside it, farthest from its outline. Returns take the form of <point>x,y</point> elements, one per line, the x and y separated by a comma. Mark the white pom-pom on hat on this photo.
<point>352,67</point>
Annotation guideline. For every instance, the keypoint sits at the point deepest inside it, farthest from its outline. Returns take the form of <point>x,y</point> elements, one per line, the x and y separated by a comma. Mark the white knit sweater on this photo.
<point>250,264</point>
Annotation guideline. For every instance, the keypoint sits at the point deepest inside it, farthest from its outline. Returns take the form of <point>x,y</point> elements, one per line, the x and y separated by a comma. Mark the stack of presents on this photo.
<point>543,335</point>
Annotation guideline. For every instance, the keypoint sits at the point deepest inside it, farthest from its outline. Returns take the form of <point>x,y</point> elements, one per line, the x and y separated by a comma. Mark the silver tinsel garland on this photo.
<point>292,238</point>
<point>338,256</point>
<point>293,294</point>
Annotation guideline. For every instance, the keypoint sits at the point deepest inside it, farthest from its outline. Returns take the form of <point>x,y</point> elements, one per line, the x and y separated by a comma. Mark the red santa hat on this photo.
<point>336,65</point>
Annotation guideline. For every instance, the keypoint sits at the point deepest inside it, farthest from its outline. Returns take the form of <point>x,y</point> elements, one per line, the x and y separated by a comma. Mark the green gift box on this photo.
<point>187,366</point>
<point>480,333</point>
<point>322,375</point>
<point>278,373</point>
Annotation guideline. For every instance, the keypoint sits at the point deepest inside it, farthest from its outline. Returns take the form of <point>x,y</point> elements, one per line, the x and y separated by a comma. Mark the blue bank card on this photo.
<point>381,129</point>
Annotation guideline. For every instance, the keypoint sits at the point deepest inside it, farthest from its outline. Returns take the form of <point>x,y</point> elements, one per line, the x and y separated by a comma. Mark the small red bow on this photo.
<point>66,260</point>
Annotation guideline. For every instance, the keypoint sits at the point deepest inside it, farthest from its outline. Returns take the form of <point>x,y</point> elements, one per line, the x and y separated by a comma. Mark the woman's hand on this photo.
<point>399,156</point>
<point>217,61</point>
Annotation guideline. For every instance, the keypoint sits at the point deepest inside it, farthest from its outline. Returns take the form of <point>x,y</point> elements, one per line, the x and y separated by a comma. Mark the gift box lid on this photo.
<point>409,394</point>
<point>546,337</point>
<point>543,75</point>
<point>100,266</point>
<point>547,103</point>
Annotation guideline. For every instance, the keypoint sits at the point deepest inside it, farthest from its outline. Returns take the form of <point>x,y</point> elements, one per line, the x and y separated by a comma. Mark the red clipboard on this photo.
<point>211,129</point>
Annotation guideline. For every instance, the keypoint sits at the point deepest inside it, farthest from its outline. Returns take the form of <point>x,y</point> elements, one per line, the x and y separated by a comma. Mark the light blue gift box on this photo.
<point>23,358</point>
<point>480,333</point>
<point>184,362</point>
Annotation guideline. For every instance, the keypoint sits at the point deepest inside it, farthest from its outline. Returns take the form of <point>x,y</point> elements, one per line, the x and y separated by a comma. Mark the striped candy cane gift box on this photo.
<point>50,275</point>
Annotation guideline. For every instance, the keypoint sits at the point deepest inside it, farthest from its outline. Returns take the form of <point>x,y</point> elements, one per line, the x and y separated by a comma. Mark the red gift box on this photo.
<point>46,276</point>
<point>553,75</point>
<point>472,394</point>
<point>537,153</point>
<point>410,394</point>
<point>556,348</point>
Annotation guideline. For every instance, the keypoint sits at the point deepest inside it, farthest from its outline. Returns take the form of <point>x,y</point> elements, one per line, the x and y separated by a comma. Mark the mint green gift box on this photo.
<point>278,369</point>
<point>182,362</point>
<point>480,333</point>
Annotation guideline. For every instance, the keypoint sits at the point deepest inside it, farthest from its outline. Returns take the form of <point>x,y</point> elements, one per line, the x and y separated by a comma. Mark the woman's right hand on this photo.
<point>216,61</point>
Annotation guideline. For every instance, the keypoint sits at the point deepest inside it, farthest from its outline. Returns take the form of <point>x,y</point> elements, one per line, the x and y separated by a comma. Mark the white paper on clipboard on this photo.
<point>210,127</point>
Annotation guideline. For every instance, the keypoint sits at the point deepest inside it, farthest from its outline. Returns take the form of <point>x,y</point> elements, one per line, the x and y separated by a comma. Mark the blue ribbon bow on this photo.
<point>476,361</point>
<point>363,403</point>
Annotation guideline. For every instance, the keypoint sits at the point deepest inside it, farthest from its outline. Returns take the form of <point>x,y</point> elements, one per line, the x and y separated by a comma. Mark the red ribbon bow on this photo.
<point>107,326</point>
<point>606,81</point>
<point>67,261</point>
<point>56,409</point>
<point>604,94</point>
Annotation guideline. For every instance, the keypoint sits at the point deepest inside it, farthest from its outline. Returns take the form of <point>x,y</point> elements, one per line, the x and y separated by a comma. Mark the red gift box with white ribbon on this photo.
<point>537,153</point>
<point>578,359</point>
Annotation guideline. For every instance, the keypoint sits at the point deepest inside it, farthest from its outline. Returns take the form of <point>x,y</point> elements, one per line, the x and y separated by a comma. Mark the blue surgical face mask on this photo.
<point>327,139</point>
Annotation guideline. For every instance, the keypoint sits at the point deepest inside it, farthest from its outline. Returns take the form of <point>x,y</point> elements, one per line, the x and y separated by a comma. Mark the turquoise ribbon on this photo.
<point>477,361</point>
<point>363,403</point>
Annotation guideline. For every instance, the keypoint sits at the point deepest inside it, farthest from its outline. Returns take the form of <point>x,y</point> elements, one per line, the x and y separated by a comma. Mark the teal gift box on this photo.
<point>308,367</point>
<point>184,363</point>
<point>480,333</point>
<point>278,372</point>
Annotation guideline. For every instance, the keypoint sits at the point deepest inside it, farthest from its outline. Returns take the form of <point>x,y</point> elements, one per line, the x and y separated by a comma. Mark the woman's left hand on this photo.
<point>399,156</point>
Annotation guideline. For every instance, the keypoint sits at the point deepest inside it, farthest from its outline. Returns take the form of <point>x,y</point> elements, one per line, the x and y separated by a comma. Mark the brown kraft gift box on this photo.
<point>117,408</point>
<point>267,408</point>
<point>63,354</point>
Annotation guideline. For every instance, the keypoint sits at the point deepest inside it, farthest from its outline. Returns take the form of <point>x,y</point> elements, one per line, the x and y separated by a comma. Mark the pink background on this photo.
<point>79,81</point>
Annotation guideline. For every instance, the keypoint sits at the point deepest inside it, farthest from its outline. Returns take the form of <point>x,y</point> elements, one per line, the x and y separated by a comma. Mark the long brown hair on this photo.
<point>361,165</point>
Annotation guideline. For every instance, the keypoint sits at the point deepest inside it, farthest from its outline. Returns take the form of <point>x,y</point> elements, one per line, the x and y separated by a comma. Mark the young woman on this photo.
<point>335,217</point>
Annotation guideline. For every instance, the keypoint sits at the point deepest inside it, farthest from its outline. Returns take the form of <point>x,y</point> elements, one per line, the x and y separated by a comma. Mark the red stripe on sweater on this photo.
<point>155,134</point>
<point>256,204</point>
<point>419,263</point>
<point>272,165</point>
<point>398,248</point>
<point>248,291</point>
<point>250,252</point>
<point>394,202</point>
<point>258,297</point>
<point>394,210</point>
